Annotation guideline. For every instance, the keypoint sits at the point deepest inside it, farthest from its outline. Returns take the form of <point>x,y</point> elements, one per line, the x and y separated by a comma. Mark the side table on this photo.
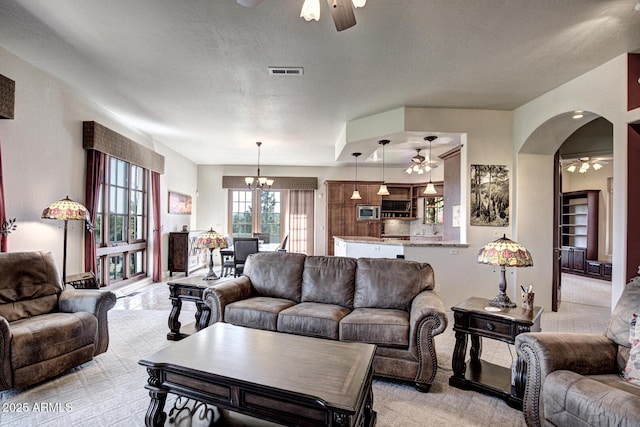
<point>188,289</point>
<point>473,317</point>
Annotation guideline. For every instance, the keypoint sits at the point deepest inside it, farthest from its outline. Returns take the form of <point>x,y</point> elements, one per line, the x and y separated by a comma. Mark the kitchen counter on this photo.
<point>422,241</point>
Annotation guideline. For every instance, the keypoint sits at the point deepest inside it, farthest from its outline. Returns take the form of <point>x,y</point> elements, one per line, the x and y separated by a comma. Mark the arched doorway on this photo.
<point>541,152</point>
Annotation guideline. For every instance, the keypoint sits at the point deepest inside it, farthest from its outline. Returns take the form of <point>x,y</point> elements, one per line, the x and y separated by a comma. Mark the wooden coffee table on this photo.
<point>283,378</point>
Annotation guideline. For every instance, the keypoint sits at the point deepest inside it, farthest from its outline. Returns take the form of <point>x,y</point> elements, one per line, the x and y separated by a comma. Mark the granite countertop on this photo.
<point>398,242</point>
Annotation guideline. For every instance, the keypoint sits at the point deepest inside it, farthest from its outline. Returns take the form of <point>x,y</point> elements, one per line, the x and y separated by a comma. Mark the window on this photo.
<point>121,224</point>
<point>266,218</point>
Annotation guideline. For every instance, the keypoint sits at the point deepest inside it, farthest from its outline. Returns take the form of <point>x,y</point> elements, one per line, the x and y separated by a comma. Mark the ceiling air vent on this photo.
<point>286,71</point>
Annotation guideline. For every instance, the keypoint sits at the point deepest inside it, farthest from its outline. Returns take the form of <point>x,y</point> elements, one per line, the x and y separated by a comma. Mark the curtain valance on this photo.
<point>100,138</point>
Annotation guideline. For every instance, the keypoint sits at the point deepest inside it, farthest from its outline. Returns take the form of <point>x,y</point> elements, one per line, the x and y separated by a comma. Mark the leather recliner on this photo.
<point>45,329</point>
<point>574,379</point>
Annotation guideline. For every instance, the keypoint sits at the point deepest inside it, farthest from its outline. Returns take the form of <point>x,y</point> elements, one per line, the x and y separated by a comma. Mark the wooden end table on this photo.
<point>188,289</point>
<point>475,318</point>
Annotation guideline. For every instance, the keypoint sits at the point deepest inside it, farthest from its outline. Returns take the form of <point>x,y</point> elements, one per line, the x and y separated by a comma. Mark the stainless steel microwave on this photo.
<point>368,213</point>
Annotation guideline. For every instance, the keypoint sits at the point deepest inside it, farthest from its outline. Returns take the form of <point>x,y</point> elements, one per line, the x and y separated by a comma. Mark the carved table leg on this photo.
<point>202,320</point>
<point>476,350</point>
<point>155,412</point>
<point>174,323</point>
<point>520,379</point>
<point>459,352</point>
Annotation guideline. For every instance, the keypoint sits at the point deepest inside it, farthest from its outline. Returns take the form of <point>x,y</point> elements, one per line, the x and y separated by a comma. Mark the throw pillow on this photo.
<point>631,372</point>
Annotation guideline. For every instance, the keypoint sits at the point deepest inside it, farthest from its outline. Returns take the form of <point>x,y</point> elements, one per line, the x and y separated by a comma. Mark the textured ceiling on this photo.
<point>193,73</point>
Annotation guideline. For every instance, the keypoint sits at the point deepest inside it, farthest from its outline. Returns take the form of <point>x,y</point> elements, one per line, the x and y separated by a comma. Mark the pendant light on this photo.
<point>259,182</point>
<point>430,189</point>
<point>356,193</point>
<point>383,191</point>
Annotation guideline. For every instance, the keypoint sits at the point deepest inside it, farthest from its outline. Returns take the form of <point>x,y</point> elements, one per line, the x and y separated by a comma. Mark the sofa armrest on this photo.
<point>6,379</point>
<point>92,301</point>
<point>216,297</point>
<point>427,319</point>
<point>585,354</point>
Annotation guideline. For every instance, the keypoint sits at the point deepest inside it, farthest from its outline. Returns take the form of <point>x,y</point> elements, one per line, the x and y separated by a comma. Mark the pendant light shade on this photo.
<point>356,193</point>
<point>383,191</point>
<point>430,189</point>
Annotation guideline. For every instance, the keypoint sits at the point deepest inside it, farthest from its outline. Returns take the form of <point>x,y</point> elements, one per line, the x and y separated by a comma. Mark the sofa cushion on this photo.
<point>56,334</point>
<point>256,312</point>
<point>329,280</point>
<point>384,327</point>
<point>629,303</point>
<point>29,284</point>
<point>312,319</point>
<point>631,372</point>
<point>390,283</point>
<point>573,399</point>
<point>276,274</point>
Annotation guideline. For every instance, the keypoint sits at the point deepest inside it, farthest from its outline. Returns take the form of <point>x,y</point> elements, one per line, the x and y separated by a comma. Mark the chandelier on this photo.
<point>583,164</point>
<point>419,164</point>
<point>259,182</point>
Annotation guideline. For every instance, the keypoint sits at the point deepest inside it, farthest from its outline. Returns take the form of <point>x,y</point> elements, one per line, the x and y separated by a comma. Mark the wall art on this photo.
<point>180,203</point>
<point>489,195</point>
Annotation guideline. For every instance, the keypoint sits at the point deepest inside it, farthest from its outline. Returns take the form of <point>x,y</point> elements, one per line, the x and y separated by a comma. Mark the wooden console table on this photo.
<point>473,318</point>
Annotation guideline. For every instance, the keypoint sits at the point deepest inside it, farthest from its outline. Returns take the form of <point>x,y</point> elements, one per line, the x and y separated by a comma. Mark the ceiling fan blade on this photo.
<point>342,13</point>
<point>248,3</point>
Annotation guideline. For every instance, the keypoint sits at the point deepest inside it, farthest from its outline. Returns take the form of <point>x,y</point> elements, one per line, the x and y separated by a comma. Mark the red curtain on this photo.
<point>96,163</point>
<point>156,275</point>
<point>3,213</point>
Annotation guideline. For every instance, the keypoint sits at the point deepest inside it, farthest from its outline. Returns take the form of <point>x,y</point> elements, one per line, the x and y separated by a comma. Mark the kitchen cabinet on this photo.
<point>341,211</point>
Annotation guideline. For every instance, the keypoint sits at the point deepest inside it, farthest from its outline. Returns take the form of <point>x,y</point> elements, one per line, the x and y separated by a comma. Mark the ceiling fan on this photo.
<point>341,10</point>
<point>419,164</point>
<point>583,164</point>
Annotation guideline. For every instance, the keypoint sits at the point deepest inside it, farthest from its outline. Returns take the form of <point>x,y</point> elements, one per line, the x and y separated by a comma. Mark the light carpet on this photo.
<point>109,391</point>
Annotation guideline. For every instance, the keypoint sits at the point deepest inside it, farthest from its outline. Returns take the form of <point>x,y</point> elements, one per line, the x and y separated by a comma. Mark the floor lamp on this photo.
<point>65,210</point>
<point>211,240</point>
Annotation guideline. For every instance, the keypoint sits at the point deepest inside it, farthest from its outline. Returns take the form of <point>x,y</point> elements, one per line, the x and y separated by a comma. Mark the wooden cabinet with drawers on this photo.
<point>184,255</point>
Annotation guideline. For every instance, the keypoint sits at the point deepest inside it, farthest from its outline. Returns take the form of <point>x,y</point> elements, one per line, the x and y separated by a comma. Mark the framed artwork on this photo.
<point>180,203</point>
<point>489,195</point>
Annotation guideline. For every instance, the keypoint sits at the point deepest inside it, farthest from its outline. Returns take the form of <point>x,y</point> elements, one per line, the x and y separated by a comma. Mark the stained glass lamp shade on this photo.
<point>65,210</point>
<point>211,240</point>
<point>505,253</point>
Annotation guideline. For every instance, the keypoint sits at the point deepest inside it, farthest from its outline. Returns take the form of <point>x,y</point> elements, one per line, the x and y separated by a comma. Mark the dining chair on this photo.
<point>226,259</point>
<point>262,236</point>
<point>283,246</point>
<point>242,248</point>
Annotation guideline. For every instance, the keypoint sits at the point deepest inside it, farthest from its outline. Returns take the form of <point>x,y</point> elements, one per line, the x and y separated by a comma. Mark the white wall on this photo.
<point>43,160</point>
<point>601,91</point>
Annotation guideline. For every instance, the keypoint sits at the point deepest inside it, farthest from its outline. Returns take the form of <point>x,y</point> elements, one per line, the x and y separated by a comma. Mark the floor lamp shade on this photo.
<point>65,210</point>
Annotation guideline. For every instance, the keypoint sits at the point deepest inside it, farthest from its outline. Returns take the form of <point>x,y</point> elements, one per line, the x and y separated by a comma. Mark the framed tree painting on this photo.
<point>489,195</point>
<point>180,203</point>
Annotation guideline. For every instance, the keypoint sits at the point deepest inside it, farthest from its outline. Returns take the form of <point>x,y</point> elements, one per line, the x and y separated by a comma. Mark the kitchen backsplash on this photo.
<point>413,228</point>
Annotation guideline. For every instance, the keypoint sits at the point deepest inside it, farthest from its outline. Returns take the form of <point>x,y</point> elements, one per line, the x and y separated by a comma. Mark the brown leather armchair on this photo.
<point>45,330</point>
<point>574,379</point>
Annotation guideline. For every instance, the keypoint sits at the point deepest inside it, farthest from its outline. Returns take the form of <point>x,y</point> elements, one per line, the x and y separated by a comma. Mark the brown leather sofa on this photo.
<point>387,302</point>
<point>574,379</point>
<point>45,330</point>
